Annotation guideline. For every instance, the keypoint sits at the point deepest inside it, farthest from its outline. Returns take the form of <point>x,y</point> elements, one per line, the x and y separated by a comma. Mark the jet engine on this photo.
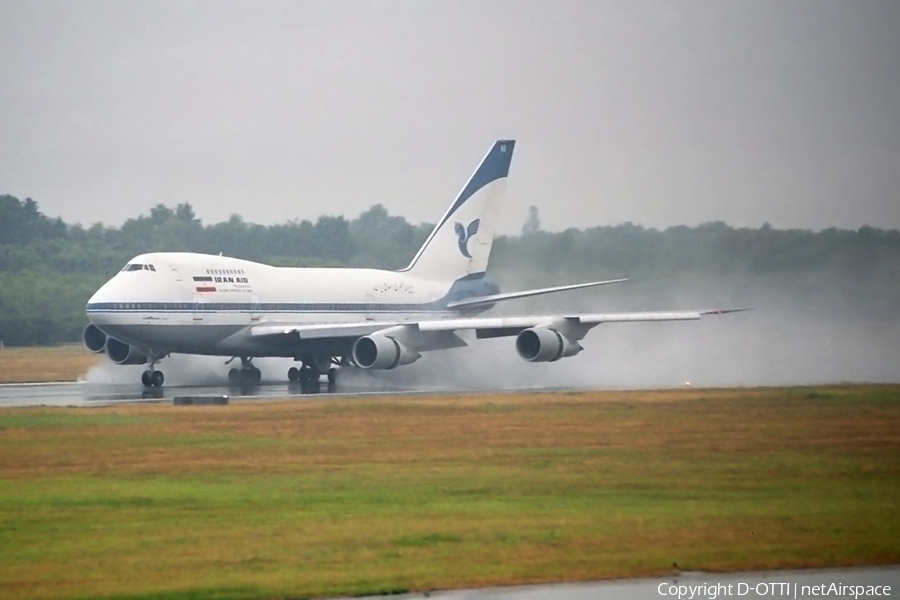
<point>124,354</point>
<point>381,352</point>
<point>542,344</point>
<point>94,339</point>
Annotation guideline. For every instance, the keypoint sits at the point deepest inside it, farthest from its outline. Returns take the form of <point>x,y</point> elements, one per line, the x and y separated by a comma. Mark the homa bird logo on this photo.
<point>464,234</point>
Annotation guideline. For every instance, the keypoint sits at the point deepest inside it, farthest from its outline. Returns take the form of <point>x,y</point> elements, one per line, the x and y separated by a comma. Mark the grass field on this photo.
<point>342,497</point>
<point>45,364</point>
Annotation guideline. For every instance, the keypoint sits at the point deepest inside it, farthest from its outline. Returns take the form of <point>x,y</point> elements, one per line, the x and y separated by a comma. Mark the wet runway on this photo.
<point>100,394</point>
<point>700,585</point>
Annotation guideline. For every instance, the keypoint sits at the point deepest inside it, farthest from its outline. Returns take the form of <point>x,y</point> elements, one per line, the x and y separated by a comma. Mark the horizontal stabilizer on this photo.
<point>493,298</point>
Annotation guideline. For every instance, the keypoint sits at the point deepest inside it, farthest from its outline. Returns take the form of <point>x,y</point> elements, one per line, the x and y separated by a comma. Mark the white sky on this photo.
<point>659,113</point>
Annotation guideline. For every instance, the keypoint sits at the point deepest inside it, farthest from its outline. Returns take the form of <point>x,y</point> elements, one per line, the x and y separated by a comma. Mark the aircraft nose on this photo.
<point>103,294</point>
<point>99,303</point>
<point>95,296</point>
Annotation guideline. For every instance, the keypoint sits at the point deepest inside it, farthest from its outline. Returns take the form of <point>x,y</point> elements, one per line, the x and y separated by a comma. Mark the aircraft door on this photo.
<point>197,310</point>
<point>254,308</point>
<point>370,307</point>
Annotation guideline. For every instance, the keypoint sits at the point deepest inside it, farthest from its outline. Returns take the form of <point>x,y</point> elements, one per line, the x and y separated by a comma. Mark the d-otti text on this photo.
<point>779,589</point>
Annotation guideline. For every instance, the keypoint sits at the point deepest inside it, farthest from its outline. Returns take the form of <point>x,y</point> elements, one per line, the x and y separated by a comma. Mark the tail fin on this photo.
<point>460,243</point>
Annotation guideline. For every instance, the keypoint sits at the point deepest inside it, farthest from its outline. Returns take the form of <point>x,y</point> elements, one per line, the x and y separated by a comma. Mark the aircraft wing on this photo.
<point>286,333</point>
<point>387,344</point>
<point>578,325</point>
<point>493,298</point>
<point>319,331</point>
<point>485,327</point>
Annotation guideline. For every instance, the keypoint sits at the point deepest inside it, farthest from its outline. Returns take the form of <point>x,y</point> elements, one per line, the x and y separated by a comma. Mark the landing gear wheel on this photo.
<point>145,378</point>
<point>309,374</point>
<point>244,376</point>
<point>157,378</point>
<point>332,375</point>
<point>293,374</point>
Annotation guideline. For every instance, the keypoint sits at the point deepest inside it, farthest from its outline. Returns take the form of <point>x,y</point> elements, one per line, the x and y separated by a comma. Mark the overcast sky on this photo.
<point>660,113</point>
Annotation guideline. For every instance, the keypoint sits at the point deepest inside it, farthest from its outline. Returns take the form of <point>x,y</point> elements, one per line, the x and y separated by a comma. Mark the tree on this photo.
<point>160,213</point>
<point>185,212</point>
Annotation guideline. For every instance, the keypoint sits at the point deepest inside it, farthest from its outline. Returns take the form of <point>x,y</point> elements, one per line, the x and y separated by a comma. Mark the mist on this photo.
<point>749,349</point>
<point>792,336</point>
<point>771,346</point>
<point>182,370</point>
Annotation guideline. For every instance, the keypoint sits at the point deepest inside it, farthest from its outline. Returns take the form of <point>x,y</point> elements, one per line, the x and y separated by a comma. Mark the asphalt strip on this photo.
<point>839,582</point>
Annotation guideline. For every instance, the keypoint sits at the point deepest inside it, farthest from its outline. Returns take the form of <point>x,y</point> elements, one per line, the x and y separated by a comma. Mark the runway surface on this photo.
<point>101,394</point>
<point>748,585</point>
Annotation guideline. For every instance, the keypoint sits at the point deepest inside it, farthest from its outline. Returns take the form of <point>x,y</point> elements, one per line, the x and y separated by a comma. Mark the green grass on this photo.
<point>53,418</point>
<point>333,497</point>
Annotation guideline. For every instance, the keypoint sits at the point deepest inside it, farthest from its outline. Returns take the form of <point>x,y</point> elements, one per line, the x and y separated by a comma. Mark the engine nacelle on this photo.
<point>381,352</point>
<point>124,354</point>
<point>541,344</point>
<point>94,339</point>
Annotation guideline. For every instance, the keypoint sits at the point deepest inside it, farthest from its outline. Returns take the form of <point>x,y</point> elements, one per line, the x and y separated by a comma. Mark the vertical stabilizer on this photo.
<point>460,243</point>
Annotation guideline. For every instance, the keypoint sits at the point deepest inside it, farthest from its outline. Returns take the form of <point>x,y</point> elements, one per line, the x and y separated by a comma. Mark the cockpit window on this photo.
<point>138,267</point>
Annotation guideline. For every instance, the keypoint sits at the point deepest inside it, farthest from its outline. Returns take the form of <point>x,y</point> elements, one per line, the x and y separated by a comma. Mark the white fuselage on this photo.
<point>194,303</point>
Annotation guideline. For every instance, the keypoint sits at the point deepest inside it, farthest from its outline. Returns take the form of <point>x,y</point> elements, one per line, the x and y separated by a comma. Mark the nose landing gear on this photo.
<point>151,377</point>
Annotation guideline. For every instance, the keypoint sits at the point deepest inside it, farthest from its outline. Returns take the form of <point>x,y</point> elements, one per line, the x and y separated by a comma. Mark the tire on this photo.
<point>293,374</point>
<point>145,378</point>
<point>157,378</point>
<point>255,375</point>
<point>332,375</point>
<point>234,376</point>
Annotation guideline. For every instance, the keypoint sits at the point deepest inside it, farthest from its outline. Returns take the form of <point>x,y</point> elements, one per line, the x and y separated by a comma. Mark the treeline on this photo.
<point>31,240</point>
<point>50,268</point>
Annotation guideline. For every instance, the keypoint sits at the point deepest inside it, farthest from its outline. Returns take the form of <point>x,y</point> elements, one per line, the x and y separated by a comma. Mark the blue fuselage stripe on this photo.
<point>276,307</point>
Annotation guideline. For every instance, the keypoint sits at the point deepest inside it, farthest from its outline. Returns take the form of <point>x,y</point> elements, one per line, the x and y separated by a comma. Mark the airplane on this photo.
<point>166,303</point>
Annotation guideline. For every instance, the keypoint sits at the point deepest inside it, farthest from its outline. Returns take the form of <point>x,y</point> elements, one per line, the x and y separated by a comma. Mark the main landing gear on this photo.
<point>311,371</point>
<point>246,374</point>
